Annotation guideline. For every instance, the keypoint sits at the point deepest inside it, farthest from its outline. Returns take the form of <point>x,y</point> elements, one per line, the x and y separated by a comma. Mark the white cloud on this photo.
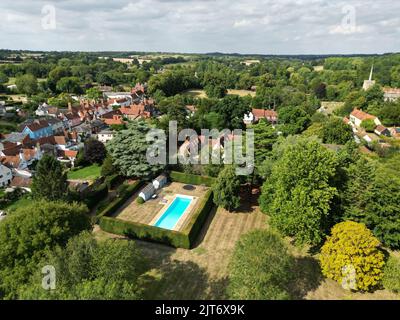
<point>244,26</point>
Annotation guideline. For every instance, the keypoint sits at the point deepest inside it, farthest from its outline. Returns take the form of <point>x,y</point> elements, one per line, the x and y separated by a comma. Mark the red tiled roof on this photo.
<point>21,182</point>
<point>67,153</point>
<point>263,113</point>
<point>10,161</point>
<point>380,128</point>
<point>361,115</point>
<point>388,90</point>
<point>37,125</point>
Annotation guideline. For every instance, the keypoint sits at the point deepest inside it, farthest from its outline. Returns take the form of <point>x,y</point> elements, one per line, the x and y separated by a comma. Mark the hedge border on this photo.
<point>191,178</point>
<point>179,239</point>
<point>113,206</point>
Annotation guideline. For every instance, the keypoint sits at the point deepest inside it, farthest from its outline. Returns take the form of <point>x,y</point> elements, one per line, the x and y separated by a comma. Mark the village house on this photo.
<point>105,135</point>
<point>135,111</point>
<point>113,118</point>
<point>56,125</point>
<point>391,94</point>
<point>5,175</point>
<point>382,131</point>
<point>38,129</point>
<point>256,114</point>
<point>358,116</point>
<point>395,132</point>
<point>45,110</point>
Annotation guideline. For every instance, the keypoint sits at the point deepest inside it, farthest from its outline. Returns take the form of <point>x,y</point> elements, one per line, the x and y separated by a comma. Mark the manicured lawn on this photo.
<point>88,173</point>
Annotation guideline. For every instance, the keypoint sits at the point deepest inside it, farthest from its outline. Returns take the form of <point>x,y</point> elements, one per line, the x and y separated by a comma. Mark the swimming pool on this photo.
<point>174,212</point>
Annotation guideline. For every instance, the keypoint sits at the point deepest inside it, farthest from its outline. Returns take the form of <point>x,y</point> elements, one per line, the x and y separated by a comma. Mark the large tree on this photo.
<point>94,151</point>
<point>336,131</point>
<point>50,180</point>
<point>27,84</point>
<point>26,234</point>
<point>129,149</point>
<point>299,190</point>
<point>264,138</point>
<point>88,269</point>
<point>261,268</point>
<point>227,188</point>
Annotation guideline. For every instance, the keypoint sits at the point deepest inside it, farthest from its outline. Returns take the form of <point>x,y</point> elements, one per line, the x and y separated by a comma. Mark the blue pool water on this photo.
<point>174,212</point>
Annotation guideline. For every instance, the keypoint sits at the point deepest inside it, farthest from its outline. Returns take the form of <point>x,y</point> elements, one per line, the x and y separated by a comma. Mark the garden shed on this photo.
<point>160,181</point>
<point>147,192</point>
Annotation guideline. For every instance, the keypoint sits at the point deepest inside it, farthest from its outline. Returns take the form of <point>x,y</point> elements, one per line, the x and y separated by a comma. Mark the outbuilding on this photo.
<point>147,192</point>
<point>160,181</point>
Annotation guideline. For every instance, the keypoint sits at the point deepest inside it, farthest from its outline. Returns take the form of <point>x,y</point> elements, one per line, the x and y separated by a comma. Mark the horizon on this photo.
<point>138,52</point>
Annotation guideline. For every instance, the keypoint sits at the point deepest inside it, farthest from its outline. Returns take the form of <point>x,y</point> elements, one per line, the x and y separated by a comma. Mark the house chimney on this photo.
<point>69,106</point>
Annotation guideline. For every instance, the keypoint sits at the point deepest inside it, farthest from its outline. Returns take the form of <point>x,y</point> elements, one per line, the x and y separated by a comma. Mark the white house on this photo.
<point>160,181</point>
<point>105,136</point>
<point>5,175</point>
<point>147,192</point>
<point>358,116</point>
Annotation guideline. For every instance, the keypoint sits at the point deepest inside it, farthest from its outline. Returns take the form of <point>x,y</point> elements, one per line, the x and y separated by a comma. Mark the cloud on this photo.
<point>243,26</point>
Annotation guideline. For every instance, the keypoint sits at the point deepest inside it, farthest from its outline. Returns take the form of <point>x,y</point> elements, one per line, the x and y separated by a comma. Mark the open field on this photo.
<point>197,93</point>
<point>329,107</point>
<point>241,93</point>
<point>88,173</point>
<point>145,213</point>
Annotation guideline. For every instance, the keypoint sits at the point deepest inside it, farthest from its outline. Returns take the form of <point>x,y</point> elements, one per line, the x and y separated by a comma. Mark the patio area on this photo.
<point>147,212</point>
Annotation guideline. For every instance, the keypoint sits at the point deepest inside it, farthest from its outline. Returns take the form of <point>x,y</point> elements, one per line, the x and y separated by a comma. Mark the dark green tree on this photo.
<point>227,189</point>
<point>299,190</point>
<point>129,150</point>
<point>50,180</point>
<point>94,151</point>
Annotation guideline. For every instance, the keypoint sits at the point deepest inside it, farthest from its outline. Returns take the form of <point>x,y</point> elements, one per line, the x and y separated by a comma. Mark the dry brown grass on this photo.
<point>202,272</point>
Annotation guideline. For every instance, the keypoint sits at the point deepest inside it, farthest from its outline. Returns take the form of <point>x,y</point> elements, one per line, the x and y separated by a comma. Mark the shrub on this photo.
<point>369,125</point>
<point>140,200</point>
<point>391,274</point>
<point>352,247</point>
<point>261,267</point>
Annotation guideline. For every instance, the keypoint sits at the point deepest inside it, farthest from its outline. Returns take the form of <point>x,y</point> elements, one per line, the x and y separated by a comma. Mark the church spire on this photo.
<point>372,71</point>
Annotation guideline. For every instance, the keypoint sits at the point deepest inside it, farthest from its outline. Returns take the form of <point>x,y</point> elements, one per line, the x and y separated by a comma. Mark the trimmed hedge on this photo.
<point>118,202</point>
<point>198,219</point>
<point>145,232</point>
<point>178,239</point>
<point>191,178</point>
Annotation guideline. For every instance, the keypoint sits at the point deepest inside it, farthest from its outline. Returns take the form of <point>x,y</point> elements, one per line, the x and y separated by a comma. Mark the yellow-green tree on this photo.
<point>351,256</point>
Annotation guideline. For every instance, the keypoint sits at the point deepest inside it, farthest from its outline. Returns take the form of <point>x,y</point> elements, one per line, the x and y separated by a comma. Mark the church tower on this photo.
<point>369,83</point>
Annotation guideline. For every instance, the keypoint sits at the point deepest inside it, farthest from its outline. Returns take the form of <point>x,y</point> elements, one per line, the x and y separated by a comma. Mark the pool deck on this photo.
<point>150,211</point>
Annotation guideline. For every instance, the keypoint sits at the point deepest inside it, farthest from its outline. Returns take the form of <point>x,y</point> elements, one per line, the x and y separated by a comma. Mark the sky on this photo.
<point>200,26</point>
